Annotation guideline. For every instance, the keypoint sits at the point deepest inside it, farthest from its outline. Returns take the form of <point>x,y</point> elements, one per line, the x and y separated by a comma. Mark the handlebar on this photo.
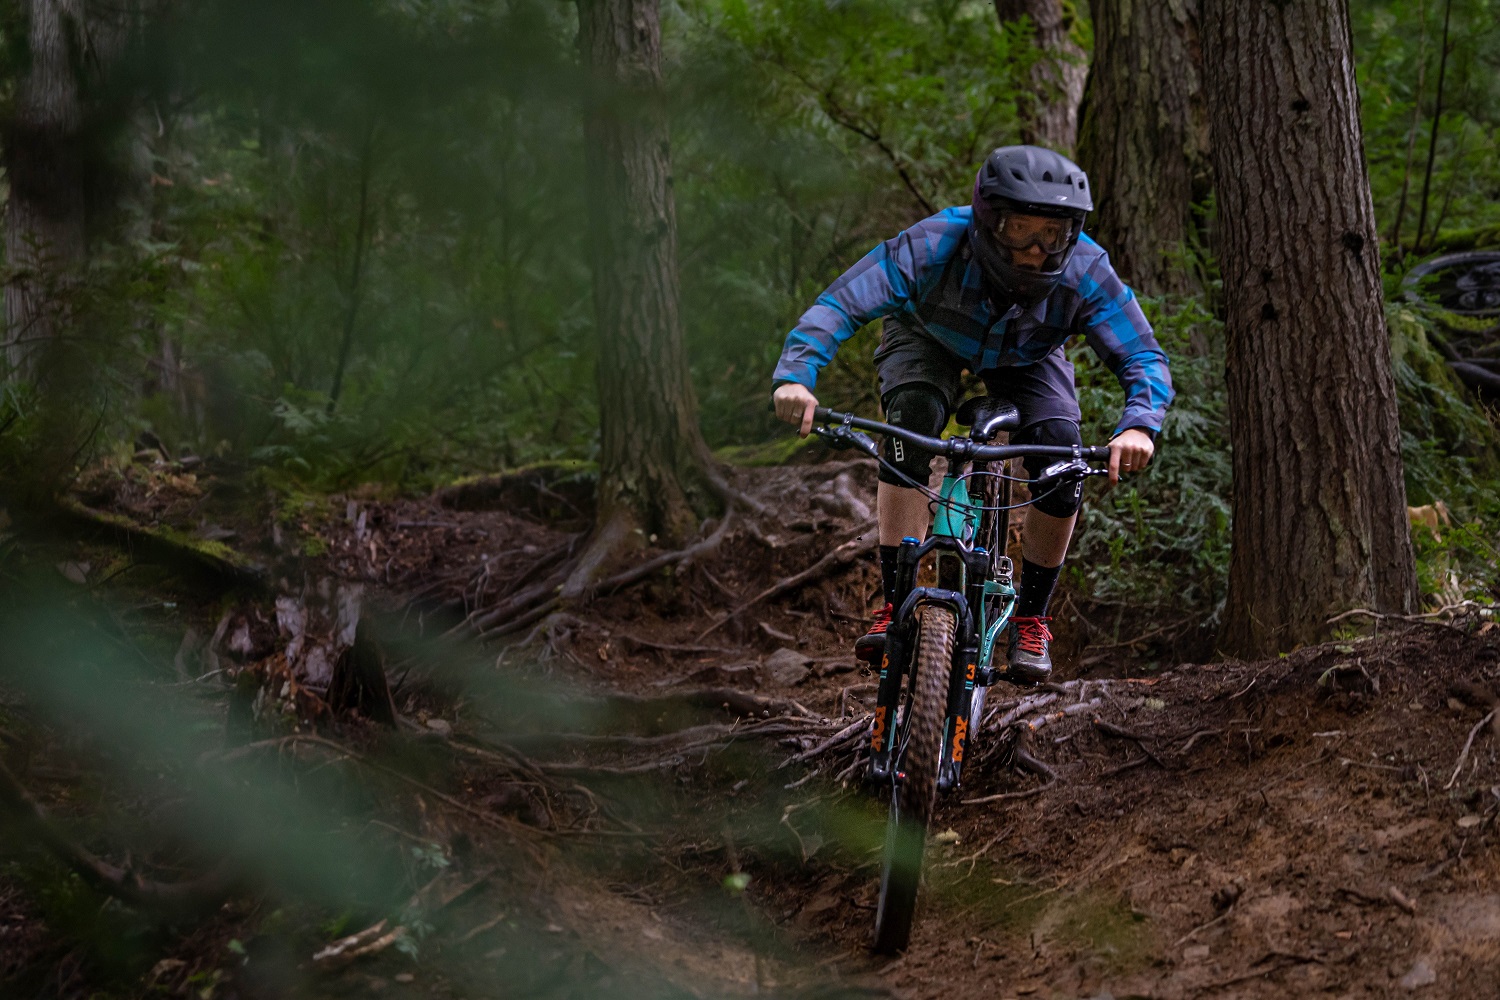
<point>963,449</point>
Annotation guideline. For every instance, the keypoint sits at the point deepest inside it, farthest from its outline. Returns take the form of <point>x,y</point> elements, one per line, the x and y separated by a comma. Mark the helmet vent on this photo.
<point>1047,176</point>
<point>1016,174</point>
<point>1082,184</point>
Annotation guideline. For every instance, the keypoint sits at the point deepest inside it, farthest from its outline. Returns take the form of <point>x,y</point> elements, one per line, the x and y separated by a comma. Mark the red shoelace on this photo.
<point>1032,634</point>
<point>882,620</point>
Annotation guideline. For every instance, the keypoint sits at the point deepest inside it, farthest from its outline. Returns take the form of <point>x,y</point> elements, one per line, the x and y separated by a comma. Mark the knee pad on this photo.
<point>1064,501</point>
<point>921,409</point>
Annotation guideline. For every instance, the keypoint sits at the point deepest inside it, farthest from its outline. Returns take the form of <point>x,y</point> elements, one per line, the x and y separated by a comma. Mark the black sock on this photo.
<point>888,572</point>
<point>1036,589</point>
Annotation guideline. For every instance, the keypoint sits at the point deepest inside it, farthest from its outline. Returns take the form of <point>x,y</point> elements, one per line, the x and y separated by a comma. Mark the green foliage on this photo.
<point>1451,453</point>
<point>1398,45</point>
<point>809,133</point>
<point>1162,538</point>
<point>357,253</point>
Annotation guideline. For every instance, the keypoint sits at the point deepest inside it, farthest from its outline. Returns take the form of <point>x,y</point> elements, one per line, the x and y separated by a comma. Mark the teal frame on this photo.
<point>950,523</point>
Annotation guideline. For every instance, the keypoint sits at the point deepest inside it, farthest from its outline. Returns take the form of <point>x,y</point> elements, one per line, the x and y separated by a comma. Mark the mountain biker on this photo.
<point>997,288</point>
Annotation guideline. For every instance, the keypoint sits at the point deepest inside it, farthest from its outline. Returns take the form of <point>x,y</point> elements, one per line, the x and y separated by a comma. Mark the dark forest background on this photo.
<point>343,243</point>
<point>268,266</point>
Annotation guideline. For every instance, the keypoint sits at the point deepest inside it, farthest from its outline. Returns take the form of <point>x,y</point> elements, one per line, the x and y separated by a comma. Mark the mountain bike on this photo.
<point>955,597</point>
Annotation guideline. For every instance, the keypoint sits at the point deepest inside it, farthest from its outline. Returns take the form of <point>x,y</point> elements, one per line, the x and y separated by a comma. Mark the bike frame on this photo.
<point>962,582</point>
<point>958,578</point>
<point>982,606</point>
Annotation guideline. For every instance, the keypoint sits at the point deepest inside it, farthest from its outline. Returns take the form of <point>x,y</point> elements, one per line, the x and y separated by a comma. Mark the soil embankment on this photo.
<point>662,795</point>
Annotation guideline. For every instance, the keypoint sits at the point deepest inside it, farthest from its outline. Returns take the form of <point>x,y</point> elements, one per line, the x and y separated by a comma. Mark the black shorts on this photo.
<point>1041,391</point>
<point>921,383</point>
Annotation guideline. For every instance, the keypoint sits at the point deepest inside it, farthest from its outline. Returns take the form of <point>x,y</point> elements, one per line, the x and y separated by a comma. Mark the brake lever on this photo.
<point>1060,472</point>
<point>843,437</point>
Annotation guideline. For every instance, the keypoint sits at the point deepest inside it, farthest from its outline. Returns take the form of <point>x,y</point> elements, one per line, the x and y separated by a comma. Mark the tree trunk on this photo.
<point>652,461</point>
<point>44,216</point>
<point>1143,137</point>
<point>1050,111</point>
<point>1320,522</point>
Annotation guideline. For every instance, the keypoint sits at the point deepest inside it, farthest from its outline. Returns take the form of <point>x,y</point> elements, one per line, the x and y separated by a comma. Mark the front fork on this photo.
<point>896,666</point>
<point>884,748</point>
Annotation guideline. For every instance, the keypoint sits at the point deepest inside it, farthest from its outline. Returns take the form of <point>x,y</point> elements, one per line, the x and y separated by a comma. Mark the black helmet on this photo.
<point>1027,181</point>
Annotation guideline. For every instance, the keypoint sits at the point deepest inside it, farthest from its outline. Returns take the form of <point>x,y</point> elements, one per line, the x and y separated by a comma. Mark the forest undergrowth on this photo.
<point>327,784</point>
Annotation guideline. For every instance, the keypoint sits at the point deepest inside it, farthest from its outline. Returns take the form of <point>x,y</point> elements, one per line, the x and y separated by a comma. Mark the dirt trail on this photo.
<point>1290,827</point>
<point>1277,828</point>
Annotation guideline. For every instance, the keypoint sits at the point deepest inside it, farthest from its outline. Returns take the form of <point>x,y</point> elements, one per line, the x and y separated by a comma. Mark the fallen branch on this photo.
<point>731,699</point>
<point>842,736</point>
<point>370,941</point>
<point>1419,619</point>
<point>1193,739</point>
<point>1463,757</point>
<point>1080,708</point>
<point>671,648</point>
<point>1229,910</point>
<point>1474,376</point>
<point>1025,706</point>
<point>864,539</point>
<point>580,770</point>
<point>696,735</point>
<point>1010,796</point>
<point>973,859</point>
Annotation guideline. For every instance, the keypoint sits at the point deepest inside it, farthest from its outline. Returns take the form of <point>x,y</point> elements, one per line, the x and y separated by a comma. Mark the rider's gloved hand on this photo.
<point>795,404</point>
<point>1130,451</point>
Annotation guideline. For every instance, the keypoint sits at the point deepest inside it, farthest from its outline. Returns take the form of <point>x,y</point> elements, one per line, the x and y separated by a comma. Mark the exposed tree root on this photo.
<point>1463,757</point>
<point>519,832</point>
<point>637,641</point>
<point>184,898</point>
<point>623,741</point>
<point>606,543</point>
<point>575,583</point>
<point>863,539</point>
<point>726,492</point>
<point>729,699</point>
<point>838,739</point>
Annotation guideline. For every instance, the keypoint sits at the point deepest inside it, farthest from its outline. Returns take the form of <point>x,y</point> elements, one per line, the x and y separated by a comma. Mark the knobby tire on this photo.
<point>913,800</point>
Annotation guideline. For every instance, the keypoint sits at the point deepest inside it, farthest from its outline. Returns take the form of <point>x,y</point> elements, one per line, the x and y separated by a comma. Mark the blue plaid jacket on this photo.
<point>904,276</point>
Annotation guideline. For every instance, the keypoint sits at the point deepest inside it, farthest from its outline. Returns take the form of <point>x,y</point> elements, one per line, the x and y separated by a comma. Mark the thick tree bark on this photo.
<point>653,461</point>
<point>1050,111</point>
<point>1320,522</point>
<point>44,215</point>
<point>1143,137</point>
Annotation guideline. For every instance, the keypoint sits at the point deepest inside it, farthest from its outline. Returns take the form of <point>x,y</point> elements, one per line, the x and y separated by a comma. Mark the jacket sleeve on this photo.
<point>1113,325</point>
<point>879,284</point>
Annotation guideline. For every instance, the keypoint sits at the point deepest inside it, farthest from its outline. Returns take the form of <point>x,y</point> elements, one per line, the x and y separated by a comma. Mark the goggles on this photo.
<point>1019,230</point>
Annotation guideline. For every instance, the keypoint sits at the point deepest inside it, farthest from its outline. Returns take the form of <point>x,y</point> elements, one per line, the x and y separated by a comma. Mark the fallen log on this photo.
<point>166,546</point>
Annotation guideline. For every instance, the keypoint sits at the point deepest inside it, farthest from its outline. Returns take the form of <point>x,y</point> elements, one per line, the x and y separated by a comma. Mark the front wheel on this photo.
<point>914,793</point>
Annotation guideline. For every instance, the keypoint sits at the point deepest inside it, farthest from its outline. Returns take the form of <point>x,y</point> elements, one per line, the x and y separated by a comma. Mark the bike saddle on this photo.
<point>988,416</point>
